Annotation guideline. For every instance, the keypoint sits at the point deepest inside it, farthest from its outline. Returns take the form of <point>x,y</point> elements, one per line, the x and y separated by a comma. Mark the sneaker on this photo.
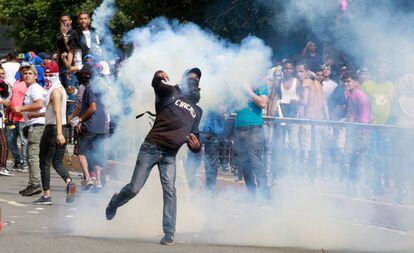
<point>110,211</point>
<point>23,168</point>
<point>86,184</point>
<point>97,188</point>
<point>15,165</point>
<point>168,239</point>
<point>70,192</point>
<point>33,190</point>
<point>6,172</point>
<point>25,189</point>
<point>43,200</point>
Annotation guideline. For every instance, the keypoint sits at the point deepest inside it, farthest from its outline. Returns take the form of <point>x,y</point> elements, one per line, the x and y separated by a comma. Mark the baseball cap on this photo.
<point>43,55</point>
<point>195,71</point>
<point>51,67</point>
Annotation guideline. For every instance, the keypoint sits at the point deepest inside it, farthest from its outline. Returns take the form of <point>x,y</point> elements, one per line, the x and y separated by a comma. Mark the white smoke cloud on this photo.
<point>298,217</point>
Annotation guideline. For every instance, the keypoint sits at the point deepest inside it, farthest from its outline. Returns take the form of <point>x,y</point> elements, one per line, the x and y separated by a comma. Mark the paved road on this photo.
<point>81,227</point>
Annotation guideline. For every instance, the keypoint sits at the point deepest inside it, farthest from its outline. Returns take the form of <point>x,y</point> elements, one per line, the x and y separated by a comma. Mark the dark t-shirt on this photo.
<point>61,44</point>
<point>314,62</point>
<point>98,122</point>
<point>337,103</point>
<point>80,41</point>
<point>177,116</point>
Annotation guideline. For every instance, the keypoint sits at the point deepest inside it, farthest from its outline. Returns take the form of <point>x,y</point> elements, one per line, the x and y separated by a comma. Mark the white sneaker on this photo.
<point>6,172</point>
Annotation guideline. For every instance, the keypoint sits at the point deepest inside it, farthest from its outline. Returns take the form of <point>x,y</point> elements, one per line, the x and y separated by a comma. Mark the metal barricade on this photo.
<point>374,159</point>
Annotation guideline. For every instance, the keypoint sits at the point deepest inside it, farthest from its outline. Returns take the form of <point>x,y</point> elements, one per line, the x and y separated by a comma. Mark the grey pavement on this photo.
<point>30,228</point>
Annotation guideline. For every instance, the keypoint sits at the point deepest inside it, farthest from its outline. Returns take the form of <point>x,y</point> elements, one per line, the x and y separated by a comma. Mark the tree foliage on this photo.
<point>34,23</point>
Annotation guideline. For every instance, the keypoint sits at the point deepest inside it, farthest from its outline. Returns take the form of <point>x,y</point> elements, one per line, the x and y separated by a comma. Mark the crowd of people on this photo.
<point>369,160</point>
<point>36,113</point>
<point>35,90</point>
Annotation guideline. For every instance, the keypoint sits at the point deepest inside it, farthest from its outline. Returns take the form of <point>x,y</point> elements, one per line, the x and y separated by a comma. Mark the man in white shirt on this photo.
<point>33,111</point>
<point>85,40</point>
<point>10,68</point>
<point>328,86</point>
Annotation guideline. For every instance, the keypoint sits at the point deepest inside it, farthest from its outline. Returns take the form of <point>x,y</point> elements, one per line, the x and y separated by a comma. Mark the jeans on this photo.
<point>51,152</point>
<point>249,144</point>
<point>3,149</point>
<point>285,155</point>
<point>191,167</point>
<point>356,146</point>
<point>12,135</point>
<point>150,155</point>
<point>212,163</point>
<point>72,82</point>
<point>379,151</point>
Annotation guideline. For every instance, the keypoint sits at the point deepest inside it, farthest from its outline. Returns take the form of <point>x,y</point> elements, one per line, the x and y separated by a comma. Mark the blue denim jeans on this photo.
<point>212,163</point>
<point>150,155</point>
<point>72,82</point>
<point>12,135</point>
<point>249,144</point>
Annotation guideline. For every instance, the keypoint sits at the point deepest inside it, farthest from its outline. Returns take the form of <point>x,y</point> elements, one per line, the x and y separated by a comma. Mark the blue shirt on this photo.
<point>98,122</point>
<point>214,123</point>
<point>252,114</point>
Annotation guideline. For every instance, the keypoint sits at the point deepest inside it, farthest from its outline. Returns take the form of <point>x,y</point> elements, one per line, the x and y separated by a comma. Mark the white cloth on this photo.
<point>2,108</point>
<point>106,70</point>
<point>33,93</point>
<point>77,58</point>
<point>88,38</point>
<point>328,87</point>
<point>290,94</point>
<point>10,70</point>
<point>50,116</point>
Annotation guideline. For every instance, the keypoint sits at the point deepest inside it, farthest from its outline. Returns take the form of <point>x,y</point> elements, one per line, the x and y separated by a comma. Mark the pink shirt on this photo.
<point>358,106</point>
<point>18,91</point>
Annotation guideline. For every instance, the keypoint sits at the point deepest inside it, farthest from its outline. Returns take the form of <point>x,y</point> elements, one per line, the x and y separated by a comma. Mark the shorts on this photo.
<point>92,146</point>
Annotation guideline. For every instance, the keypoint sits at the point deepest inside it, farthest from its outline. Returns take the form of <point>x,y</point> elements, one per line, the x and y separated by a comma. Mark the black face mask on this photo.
<point>190,89</point>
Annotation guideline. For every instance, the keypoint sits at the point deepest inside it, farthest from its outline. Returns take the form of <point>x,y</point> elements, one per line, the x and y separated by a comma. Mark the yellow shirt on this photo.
<point>381,96</point>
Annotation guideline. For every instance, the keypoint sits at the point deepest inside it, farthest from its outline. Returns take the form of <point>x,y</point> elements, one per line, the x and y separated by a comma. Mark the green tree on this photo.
<point>34,23</point>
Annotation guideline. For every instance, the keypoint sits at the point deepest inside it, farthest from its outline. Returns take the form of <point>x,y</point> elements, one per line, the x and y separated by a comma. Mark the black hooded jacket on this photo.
<point>177,116</point>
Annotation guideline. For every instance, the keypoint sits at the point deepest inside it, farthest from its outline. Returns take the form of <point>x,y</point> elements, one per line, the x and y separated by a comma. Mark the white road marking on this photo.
<point>39,208</point>
<point>69,216</point>
<point>34,212</point>
<point>13,203</point>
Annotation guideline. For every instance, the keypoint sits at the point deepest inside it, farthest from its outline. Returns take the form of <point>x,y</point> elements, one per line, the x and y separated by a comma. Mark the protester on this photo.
<point>381,92</point>
<point>92,129</point>
<point>249,141</point>
<point>357,139</point>
<point>33,111</point>
<point>5,94</point>
<point>176,123</point>
<point>11,67</point>
<point>311,56</point>
<point>16,124</point>
<point>53,142</point>
<point>314,106</point>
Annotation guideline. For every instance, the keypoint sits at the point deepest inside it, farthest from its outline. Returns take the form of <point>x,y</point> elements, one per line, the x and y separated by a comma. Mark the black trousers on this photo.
<point>51,153</point>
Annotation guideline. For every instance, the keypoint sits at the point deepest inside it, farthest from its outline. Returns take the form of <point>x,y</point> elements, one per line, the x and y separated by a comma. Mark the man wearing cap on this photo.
<point>176,123</point>
<point>33,112</point>
<point>92,129</point>
<point>53,142</point>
